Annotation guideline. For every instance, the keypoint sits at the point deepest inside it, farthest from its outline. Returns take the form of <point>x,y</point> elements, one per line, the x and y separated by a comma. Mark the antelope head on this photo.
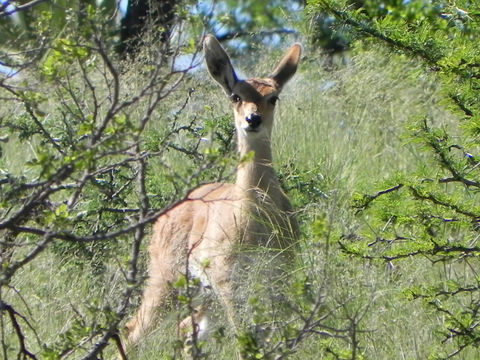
<point>253,99</point>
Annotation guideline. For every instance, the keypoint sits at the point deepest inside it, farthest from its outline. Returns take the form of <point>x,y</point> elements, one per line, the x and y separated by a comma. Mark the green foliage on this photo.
<point>329,148</point>
<point>263,22</point>
<point>434,211</point>
<point>94,148</point>
<point>305,186</point>
<point>73,178</point>
<point>51,19</point>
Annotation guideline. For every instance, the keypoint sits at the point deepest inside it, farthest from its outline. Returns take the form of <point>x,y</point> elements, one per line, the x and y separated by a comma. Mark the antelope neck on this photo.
<point>258,172</point>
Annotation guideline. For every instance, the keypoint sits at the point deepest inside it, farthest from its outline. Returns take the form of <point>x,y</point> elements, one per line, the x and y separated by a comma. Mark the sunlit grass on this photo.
<point>341,130</point>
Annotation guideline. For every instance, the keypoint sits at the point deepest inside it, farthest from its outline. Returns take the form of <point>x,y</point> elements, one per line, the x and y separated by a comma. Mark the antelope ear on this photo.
<point>218,64</point>
<point>287,67</point>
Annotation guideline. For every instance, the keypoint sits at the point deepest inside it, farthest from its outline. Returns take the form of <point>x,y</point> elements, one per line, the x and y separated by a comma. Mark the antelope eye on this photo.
<point>273,100</point>
<point>235,98</point>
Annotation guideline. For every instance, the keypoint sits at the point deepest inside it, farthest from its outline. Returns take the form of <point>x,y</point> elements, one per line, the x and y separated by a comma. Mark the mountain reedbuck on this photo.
<point>205,233</point>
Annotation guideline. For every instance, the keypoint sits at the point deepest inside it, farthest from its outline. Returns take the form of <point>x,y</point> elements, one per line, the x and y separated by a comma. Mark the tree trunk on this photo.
<point>142,16</point>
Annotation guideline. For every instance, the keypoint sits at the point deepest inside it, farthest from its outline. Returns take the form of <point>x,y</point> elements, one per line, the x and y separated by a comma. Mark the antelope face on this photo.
<point>253,99</point>
<point>253,105</point>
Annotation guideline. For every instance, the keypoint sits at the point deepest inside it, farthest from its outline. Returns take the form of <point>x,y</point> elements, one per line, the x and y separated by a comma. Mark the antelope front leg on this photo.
<point>157,291</point>
<point>222,279</point>
<point>145,315</point>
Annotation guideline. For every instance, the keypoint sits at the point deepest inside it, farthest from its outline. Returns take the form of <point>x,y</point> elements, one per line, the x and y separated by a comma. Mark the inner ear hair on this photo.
<point>287,67</point>
<point>218,64</point>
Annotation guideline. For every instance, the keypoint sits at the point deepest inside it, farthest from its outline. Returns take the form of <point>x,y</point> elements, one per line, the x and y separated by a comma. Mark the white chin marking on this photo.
<point>203,328</point>
<point>247,130</point>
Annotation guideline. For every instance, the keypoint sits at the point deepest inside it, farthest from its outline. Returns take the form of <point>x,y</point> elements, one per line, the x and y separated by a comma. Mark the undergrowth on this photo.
<point>339,130</point>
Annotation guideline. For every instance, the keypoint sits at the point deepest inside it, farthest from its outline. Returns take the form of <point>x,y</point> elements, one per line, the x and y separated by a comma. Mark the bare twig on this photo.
<point>242,33</point>
<point>18,330</point>
<point>17,8</point>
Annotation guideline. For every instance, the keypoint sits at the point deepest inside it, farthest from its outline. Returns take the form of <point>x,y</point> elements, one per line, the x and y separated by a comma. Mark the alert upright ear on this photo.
<point>287,67</point>
<point>218,64</point>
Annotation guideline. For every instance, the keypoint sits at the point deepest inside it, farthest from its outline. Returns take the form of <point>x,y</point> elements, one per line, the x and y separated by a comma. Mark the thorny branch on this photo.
<point>368,199</point>
<point>239,34</point>
<point>84,163</point>
<point>132,274</point>
<point>23,352</point>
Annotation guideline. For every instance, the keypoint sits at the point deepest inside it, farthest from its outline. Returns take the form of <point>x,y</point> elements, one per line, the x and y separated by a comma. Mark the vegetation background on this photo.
<point>108,118</point>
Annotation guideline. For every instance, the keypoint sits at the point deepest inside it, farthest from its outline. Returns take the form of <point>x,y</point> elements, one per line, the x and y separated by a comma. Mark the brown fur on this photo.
<point>215,220</point>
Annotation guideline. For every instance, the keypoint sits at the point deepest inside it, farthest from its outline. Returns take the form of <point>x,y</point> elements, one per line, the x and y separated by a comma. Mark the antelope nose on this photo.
<point>254,120</point>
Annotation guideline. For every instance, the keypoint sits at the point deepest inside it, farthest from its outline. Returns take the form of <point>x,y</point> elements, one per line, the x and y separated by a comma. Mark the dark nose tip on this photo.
<point>254,120</point>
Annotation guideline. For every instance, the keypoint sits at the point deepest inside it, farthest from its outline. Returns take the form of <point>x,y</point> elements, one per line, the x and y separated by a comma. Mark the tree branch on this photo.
<point>18,330</point>
<point>17,8</point>
<point>241,33</point>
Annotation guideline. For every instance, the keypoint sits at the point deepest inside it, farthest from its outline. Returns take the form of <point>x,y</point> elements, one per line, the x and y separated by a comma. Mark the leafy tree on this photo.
<point>433,213</point>
<point>73,182</point>
<point>258,19</point>
<point>262,21</point>
<point>94,148</point>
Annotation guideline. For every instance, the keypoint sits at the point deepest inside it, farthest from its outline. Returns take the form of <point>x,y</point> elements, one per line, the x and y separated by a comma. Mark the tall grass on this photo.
<point>348,126</point>
<point>339,129</point>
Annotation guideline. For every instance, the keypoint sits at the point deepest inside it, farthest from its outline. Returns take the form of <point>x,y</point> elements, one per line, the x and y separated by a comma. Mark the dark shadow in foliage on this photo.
<point>142,16</point>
